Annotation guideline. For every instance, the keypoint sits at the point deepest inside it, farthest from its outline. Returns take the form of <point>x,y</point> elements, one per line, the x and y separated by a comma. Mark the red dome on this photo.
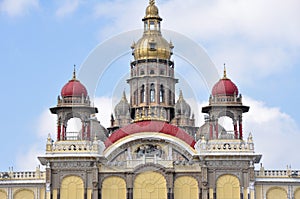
<point>73,88</point>
<point>150,126</point>
<point>225,87</point>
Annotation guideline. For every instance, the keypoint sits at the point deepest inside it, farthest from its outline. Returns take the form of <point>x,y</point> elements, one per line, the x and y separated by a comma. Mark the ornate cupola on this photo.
<point>225,100</point>
<point>73,102</point>
<point>152,81</point>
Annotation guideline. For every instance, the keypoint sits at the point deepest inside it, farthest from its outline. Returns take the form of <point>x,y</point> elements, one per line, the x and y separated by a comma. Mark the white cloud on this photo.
<point>67,7</point>
<point>14,8</point>
<point>276,135</point>
<point>46,124</point>
<point>260,38</point>
<point>27,160</point>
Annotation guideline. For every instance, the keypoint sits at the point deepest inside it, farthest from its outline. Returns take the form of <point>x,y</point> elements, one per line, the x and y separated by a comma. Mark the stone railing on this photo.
<point>75,146</point>
<point>277,173</point>
<point>225,146</point>
<point>24,175</point>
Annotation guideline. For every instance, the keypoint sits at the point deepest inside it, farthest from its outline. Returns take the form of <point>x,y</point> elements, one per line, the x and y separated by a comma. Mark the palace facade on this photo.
<point>153,149</point>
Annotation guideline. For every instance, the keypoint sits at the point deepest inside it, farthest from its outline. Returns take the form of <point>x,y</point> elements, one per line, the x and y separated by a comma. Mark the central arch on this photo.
<point>150,185</point>
<point>228,187</point>
<point>72,187</point>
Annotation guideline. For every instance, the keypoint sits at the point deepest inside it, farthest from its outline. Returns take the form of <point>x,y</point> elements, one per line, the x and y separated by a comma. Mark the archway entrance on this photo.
<point>150,185</point>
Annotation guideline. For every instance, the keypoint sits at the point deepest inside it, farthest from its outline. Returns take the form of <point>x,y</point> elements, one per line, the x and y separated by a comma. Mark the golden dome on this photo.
<point>152,46</point>
<point>151,11</point>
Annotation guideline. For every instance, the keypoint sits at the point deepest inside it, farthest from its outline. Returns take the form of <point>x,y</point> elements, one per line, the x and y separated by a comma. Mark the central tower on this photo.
<point>152,81</point>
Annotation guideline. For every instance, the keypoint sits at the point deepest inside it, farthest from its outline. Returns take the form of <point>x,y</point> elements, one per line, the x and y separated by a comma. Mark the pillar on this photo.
<point>240,129</point>
<point>58,131</point>
<point>217,128</point>
<point>235,129</point>
<point>210,130</point>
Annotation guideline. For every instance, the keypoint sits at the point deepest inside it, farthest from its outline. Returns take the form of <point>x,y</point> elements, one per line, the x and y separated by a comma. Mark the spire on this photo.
<point>180,96</point>
<point>124,96</point>
<point>224,72</point>
<point>151,2</point>
<point>74,73</point>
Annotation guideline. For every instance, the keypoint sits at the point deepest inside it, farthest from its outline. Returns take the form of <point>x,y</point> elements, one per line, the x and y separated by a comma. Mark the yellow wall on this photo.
<point>72,188</point>
<point>150,185</point>
<point>276,193</point>
<point>186,187</point>
<point>114,187</point>
<point>297,194</point>
<point>228,187</point>
<point>3,194</point>
<point>24,194</point>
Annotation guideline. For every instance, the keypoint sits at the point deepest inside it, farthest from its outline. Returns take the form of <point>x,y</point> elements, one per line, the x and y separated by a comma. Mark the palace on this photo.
<point>152,149</point>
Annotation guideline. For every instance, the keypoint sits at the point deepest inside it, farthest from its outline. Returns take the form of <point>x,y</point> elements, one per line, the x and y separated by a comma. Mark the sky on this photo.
<point>42,40</point>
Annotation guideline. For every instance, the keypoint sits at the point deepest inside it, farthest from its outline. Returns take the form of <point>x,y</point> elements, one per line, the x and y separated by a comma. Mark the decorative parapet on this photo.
<point>277,173</point>
<point>74,146</point>
<point>24,175</point>
<point>225,146</point>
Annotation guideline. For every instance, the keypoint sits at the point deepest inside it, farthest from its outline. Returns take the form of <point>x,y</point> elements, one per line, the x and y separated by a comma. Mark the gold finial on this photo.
<point>74,73</point>
<point>224,75</point>
<point>151,2</point>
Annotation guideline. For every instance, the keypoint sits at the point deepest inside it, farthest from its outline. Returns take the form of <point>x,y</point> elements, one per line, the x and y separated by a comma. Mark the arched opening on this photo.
<point>74,126</point>
<point>186,187</point>
<point>24,193</point>
<point>114,187</point>
<point>276,193</point>
<point>228,187</point>
<point>152,93</point>
<point>72,188</point>
<point>161,94</point>
<point>142,94</point>
<point>150,185</point>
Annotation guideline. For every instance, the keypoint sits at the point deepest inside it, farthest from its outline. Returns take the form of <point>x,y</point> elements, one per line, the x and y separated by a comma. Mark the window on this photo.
<point>142,72</point>
<point>142,94</point>
<point>152,93</point>
<point>161,94</point>
<point>162,72</point>
<point>151,72</point>
<point>152,25</point>
<point>152,46</point>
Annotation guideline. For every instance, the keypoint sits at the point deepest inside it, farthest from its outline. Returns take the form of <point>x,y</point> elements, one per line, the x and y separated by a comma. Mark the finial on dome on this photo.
<point>152,2</point>
<point>224,72</point>
<point>124,96</point>
<point>180,95</point>
<point>74,73</point>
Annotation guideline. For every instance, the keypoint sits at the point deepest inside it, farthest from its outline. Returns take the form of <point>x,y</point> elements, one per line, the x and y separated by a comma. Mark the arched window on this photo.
<point>161,94</point>
<point>142,94</point>
<point>152,93</point>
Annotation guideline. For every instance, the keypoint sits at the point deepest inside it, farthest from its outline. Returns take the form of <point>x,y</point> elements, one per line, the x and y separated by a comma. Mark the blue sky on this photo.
<point>41,40</point>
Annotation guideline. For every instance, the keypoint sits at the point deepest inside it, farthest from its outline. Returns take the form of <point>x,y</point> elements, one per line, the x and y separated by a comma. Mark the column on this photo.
<point>210,130</point>
<point>240,129</point>
<point>58,130</point>
<point>235,129</point>
<point>217,129</point>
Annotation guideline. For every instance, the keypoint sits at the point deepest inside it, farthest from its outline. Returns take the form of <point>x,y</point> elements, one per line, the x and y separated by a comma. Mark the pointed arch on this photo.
<point>228,187</point>
<point>276,193</point>
<point>24,193</point>
<point>114,187</point>
<point>72,187</point>
<point>150,185</point>
<point>186,187</point>
<point>152,93</point>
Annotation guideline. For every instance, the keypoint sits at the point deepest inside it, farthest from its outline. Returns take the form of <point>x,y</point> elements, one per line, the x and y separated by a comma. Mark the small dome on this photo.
<point>73,88</point>
<point>225,87</point>
<point>152,46</point>
<point>182,107</point>
<point>152,11</point>
<point>123,107</point>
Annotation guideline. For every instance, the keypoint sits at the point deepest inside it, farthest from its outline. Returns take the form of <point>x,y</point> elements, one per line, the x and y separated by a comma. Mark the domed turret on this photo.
<point>225,87</point>
<point>73,88</point>
<point>182,107</point>
<point>123,107</point>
